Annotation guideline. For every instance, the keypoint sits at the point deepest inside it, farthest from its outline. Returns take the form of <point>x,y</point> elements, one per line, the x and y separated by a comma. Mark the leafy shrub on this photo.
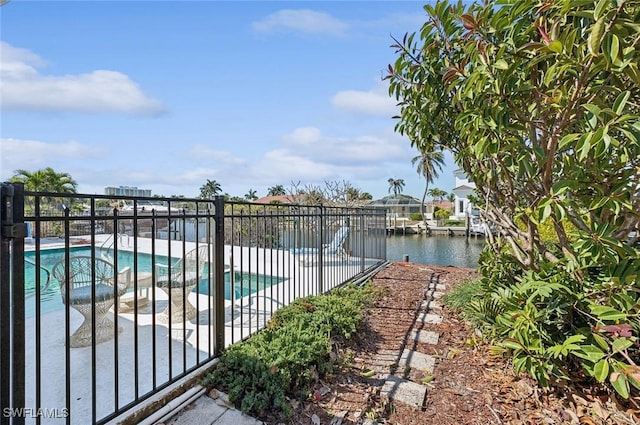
<point>441,214</point>
<point>460,296</point>
<point>558,328</point>
<point>415,216</point>
<point>260,373</point>
<point>456,223</point>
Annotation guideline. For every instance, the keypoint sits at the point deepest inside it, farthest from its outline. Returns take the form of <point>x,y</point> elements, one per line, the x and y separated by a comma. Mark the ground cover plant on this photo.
<point>539,102</point>
<point>264,373</point>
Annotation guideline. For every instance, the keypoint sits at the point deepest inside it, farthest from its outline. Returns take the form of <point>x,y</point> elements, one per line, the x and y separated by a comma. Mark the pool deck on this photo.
<point>178,348</point>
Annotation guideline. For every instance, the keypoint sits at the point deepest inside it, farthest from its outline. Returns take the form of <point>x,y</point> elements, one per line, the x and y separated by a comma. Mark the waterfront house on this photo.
<point>463,189</point>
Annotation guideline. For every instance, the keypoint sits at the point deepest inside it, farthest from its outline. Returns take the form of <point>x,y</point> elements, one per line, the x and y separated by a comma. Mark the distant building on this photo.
<point>464,188</point>
<point>398,206</point>
<point>126,191</point>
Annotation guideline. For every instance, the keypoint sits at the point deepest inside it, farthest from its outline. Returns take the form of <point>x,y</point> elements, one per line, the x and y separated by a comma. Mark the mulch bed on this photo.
<point>468,385</point>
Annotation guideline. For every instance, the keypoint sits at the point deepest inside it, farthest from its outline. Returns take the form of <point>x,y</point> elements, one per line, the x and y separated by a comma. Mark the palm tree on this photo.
<point>313,197</point>
<point>47,180</point>
<point>395,185</point>
<point>452,198</point>
<point>210,189</point>
<point>276,191</point>
<point>428,164</point>
<point>353,194</point>
<point>438,194</point>
<point>251,195</point>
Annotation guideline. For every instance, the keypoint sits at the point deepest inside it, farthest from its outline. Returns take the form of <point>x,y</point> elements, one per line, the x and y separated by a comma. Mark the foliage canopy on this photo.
<point>539,102</point>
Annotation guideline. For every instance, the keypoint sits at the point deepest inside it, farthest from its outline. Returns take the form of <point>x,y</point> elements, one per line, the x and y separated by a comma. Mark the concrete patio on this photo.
<point>118,374</point>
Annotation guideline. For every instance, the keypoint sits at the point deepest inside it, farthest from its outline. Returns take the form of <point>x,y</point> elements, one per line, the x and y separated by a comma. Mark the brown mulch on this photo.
<point>468,386</point>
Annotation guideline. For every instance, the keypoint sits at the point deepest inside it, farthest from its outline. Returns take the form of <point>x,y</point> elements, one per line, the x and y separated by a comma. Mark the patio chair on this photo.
<point>308,256</point>
<point>179,282</point>
<point>88,287</point>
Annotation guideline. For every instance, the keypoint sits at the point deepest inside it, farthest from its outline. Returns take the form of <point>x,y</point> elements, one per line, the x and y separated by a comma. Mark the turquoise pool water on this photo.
<point>50,299</point>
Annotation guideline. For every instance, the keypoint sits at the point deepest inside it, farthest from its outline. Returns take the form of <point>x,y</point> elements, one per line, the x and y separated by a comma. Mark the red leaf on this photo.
<point>623,329</point>
<point>544,35</point>
<point>468,22</point>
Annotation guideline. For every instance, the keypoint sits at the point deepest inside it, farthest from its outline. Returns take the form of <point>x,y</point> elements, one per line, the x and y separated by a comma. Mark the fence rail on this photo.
<point>107,301</point>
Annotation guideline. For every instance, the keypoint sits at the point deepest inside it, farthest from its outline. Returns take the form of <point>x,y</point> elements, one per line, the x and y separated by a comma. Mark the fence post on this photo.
<point>363,239</point>
<point>321,225</point>
<point>218,273</point>
<point>12,350</point>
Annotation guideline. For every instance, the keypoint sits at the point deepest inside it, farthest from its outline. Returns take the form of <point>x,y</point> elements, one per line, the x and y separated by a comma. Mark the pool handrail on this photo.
<point>47,271</point>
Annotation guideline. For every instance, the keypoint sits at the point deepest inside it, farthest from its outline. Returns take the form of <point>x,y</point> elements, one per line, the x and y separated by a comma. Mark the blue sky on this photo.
<point>165,95</point>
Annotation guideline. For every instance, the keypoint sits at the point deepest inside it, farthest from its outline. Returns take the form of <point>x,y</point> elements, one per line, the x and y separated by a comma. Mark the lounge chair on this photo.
<point>88,287</point>
<point>179,282</point>
<point>308,256</point>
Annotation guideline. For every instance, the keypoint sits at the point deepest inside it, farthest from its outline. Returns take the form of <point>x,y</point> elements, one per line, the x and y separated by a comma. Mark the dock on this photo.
<point>417,229</point>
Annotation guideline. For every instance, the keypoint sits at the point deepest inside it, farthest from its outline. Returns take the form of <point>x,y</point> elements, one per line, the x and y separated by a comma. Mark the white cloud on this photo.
<point>308,142</point>
<point>365,103</point>
<point>201,152</point>
<point>301,20</point>
<point>304,136</point>
<point>33,154</point>
<point>374,102</point>
<point>23,87</point>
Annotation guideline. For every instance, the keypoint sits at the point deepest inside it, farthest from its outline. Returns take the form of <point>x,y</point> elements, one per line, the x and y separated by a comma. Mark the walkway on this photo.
<point>405,384</point>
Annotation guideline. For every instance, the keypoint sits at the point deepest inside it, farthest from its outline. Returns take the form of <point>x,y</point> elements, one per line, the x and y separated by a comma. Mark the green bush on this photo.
<point>454,223</point>
<point>279,362</point>
<point>441,214</point>
<point>558,328</point>
<point>415,216</point>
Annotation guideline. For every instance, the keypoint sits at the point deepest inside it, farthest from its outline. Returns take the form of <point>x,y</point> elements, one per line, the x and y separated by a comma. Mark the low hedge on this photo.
<point>278,363</point>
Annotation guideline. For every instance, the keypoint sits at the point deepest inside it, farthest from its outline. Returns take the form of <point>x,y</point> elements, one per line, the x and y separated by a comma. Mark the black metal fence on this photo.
<point>107,301</point>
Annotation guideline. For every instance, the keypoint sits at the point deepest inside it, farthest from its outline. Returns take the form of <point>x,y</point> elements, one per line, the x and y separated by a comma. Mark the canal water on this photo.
<point>437,250</point>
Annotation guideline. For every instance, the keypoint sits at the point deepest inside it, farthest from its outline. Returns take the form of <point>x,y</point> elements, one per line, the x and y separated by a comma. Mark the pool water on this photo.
<point>244,284</point>
<point>50,299</point>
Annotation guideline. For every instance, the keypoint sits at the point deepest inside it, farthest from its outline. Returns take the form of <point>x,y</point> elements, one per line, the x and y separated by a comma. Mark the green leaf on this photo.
<point>595,37</point>
<point>555,46</point>
<point>561,187</point>
<point>567,139</point>
<point>546,212</point>
<point>604,312</point>
<point>501,64</point>
<point>621,102</point>
<point>614,47</point>
<point>601,370</point>
<point>512,344</point>
<point>574,339</point>
<point>594,109</point>
<point>621,344</point>
<point>620,384</point>
<point>599,8</point>
<point>590,353</point>
<point>601,341</point>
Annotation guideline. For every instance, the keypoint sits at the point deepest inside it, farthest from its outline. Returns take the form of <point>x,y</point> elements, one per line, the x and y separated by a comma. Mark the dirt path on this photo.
<point>466,386</point>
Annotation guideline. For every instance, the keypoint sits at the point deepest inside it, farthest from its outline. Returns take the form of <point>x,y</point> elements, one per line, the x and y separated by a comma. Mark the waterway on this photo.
<point>437,250</point>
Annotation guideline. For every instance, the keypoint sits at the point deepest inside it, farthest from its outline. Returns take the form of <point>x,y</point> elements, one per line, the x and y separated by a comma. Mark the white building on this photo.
<point>463,189</point>
<point>126,191</point>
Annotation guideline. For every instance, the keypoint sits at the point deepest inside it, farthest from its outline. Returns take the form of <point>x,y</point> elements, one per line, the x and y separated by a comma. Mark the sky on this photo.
<point>165,95</point>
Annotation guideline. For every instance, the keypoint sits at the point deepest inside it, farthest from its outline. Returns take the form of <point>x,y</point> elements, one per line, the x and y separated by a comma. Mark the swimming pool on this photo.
<point>50,299</point>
